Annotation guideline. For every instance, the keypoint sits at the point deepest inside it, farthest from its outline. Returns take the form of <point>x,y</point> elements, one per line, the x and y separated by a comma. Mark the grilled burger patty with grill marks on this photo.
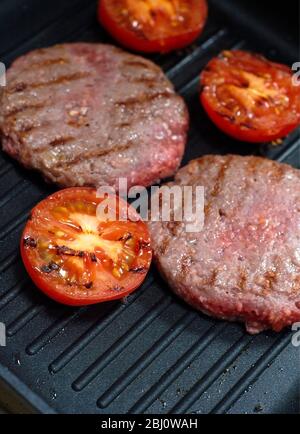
<point>245,263</point>
<point>86,114</point>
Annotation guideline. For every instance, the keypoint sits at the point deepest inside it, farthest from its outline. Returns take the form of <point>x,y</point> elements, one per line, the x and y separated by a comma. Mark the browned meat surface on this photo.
<point>87,114</point>
<point>245,264</point>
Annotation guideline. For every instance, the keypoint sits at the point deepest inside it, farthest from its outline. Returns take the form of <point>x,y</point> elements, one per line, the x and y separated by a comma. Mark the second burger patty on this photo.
<point>87,114</point>
<point>245,262</point>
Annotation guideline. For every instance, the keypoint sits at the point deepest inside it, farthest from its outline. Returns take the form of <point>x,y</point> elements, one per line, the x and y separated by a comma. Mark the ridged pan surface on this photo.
<point>152,353</point>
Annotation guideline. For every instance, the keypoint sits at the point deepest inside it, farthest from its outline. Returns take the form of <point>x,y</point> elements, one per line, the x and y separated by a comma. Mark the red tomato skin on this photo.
<point>131,41</point>
<point>254,63</point>
<point>58,292</point>
<point>234,131</point>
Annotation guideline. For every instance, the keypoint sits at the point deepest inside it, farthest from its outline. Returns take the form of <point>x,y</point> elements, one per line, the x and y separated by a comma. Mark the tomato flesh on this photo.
<point>77,258</point>
<point>249,97</point>
<point>153,25</point>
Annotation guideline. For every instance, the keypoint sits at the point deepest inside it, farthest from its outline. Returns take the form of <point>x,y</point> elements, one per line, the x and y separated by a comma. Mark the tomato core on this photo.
<point>71,253</point>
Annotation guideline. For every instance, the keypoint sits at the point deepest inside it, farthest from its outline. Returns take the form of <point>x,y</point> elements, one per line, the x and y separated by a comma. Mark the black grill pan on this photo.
<point>152,354</point>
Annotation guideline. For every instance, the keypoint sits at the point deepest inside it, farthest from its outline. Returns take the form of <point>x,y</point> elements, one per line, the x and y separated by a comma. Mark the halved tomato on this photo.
<point>153,25</point>
<point>77,256</point>
<point>249,97</point>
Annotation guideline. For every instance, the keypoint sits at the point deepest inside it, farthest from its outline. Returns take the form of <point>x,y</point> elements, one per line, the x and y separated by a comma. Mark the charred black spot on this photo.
<point>29,242</point>
<point>88,285</point>
<point>126,237</point>
<point>93,257</point>
<point>139,270</point>
<point>52,266</point>
<point>64,250</point>
<point>143,244</point>
<point>81,254</point>
<point>222,213</point>
<point>46,269</point>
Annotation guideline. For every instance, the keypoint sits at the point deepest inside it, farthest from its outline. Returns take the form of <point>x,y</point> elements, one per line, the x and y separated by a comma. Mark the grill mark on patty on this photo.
<point>185,265</point>
<point>174,227</point>
<point>60,141</point>
<point>24,107</point>
<point>25,129</point>
<point>96,153</point>
<point>212,278</point>
<point>209,280</point>
<point>218,182</point>
<point>53,152</point>
<point>265,291</point>
<point>68,77</point>
<point>46,62</point>
<point>242,279</point>
<point>271,279</point>
<point>139,64</point>
<point>146,97</point>
<point>16,87</point>
<point>150,81</point>
<point>123,125</point>
<point>162,248</point>
<point>58,80</point>
<point>252,166</point>
<point>277,173</point>
<point>57,141</point>
<point>220,177</point>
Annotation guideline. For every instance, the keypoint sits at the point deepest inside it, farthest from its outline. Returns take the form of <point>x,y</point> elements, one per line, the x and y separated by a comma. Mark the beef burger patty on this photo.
<point>87,114</point>
<point>245,263</point>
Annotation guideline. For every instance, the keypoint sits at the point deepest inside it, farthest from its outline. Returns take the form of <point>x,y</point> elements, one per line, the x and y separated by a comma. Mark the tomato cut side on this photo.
<point>77,256</point>
<point>249,97</point>
<point>153,25</point>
